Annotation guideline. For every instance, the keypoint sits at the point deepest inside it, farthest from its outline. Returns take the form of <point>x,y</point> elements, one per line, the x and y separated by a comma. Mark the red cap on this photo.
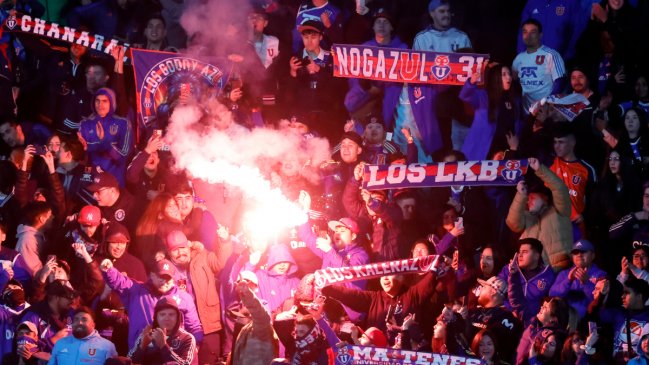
<point>377,337</point>
<point>345,222</point>
<point>176,239</point>
<point>89,215</point>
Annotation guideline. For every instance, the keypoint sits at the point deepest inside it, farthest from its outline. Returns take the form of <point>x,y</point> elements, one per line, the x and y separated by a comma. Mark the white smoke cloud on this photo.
<point>213,155</point>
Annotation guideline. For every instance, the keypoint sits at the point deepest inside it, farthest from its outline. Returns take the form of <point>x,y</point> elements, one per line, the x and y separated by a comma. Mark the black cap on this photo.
<point>103,180</point>
<point>312,25</point>
<point>352,136</point>
<point>116,232</point>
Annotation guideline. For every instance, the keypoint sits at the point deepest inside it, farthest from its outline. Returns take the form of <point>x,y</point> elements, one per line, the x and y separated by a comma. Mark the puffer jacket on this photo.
<point>273,288</point>
<point>551,226</point>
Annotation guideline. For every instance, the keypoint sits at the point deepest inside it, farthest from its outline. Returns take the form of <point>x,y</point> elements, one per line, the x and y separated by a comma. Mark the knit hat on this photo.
<point>434,4</point>
<point>305,291</point>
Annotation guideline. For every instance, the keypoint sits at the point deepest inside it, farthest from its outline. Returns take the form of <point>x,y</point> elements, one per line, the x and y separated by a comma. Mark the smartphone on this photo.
<point>592,327</point>
<point>51,257</point>
<point>388,136</point>
<point>347,327</point>
<point>157,132</point>
<point>459,222</point>
<point>40,150</point>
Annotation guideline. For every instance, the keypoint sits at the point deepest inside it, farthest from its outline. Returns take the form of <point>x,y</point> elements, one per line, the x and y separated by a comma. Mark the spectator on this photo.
<point>146,174</point>
<point>198,269</point>
<point>85,345</point>
<point>165,340</point>
<point>200,224</point>
<point>546,348</point>
<point>74,175</point>
<point>139,298</point>
<point>25,344</point>
<point>115,248</point>
<point>485,347</point>
<point>539,68</point>
<point>32,235</point>
<point>319,10</point>
<point>547,216</point>
<point>114,202</point>
<point>52,315</point>
<point>492,315</point>
<point>576,284</point>
<point>14,303</point>
<point>257,342</point>
<point>642,351</point>
<point>552,316</point>
<point>160,217</point>
<point>529,279</point>
<point>638,266</point>
<point>440,36</point>
<point>107,138</point>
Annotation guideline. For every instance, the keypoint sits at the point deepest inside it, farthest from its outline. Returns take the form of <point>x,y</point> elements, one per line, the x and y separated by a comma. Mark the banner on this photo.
<point>405,65</point>
<point>21,23</point>
<point>367,355</point>
<point>162,79</point>
<point>570,106</point>
<point>337,275</point>
<point>467,173</point>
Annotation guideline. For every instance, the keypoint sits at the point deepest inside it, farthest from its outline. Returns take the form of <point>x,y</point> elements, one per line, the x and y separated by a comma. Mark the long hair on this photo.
<point>494,87</point>
<point>568,356</point>
<point>475,345</point>
<point>145,234</point>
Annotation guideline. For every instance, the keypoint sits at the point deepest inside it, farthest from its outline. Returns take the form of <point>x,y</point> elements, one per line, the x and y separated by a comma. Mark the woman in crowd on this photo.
<point>160,217</point>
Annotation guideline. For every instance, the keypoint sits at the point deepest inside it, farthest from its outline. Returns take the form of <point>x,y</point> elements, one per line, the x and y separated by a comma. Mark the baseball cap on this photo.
<point>582,246</point>
<point>345,222</point>
<point>499,285</point>
<point>30,326</point>
<point>312,25</point>
<point>376,336</point>
<point>103,180</point>
<point>89,215</point>
<point>352,136</point>
<point>116,232</point>
<point>59,289</point>
<point>176,239</point>
<point>165,267</point>
<point>434,4</point>
<point>383,13</point>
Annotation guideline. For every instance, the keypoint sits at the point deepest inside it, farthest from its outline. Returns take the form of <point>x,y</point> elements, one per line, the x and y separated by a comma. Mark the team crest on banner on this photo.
<point>11,22</point>
<point>512,170</point>
<point>343,357</point>
<point>164,79</point>
<point>540,59</point>
<point>560,10</point>
<point>441,69</point>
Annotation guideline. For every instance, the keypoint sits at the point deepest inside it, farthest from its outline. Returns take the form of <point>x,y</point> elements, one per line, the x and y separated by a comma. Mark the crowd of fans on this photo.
<point>111,255</point>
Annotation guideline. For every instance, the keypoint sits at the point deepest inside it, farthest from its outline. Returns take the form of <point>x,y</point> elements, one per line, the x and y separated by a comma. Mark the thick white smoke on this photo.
<point>236,159</point>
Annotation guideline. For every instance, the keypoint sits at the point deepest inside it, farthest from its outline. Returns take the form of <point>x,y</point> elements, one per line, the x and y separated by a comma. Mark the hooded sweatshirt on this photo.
<point>180,345</point>
<point>275,288</point>
<point>140,298</point>
<point>30,243</point>
<point>112,150</point>
<point>643,357</point>
<point>92,349</point>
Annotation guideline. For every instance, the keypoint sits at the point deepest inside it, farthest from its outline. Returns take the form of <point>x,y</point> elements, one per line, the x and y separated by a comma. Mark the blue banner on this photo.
<point>366,355</point>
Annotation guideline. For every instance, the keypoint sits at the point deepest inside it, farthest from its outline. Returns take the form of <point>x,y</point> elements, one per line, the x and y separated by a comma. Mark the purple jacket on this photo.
<point>525,295</point>
<point>273,288</point>
<point>576,294</point>
<point>140,299</point>
<point>480,137</point>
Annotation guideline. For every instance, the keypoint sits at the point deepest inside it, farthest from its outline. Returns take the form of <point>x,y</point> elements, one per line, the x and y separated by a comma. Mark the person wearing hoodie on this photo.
<point>31,235</point>
<point>139,298</point>
<point>277,278</point>
<point>164,341</point>
<point>642,351</point>
<point>107,138</point>
<point>529,280</point>
<point>13,304</point>
<point>577,283</point>
<point>85,345</point>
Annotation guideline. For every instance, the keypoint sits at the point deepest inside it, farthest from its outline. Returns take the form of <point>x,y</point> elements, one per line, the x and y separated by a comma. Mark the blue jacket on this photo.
<point>140,299</point>
<point>525,295</point>
<point>112,151</point>
<point>92,349</point>
<point>576,294</point>
<point>357,96</point>
<point>642,358</point>
<point>480,137</point>
<point>638,322</point>
<point>563,22</point>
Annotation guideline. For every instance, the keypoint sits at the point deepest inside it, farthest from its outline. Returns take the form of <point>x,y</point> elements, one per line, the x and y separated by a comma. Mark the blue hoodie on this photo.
<point>112,151</point>
<point>274,288</point>
<point>525,295</point>
<point>140,299</point>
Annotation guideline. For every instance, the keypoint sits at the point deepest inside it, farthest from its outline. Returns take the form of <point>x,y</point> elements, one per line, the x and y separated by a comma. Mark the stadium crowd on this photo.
<point>111,255</point>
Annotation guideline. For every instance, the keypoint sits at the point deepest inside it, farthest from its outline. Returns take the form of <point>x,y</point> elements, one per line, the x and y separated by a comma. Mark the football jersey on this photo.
<point>537,71</point>
<point>577,175</point>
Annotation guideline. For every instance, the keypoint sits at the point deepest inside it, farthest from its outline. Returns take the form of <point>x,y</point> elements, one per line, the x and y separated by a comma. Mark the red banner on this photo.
<point>404,65</point>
